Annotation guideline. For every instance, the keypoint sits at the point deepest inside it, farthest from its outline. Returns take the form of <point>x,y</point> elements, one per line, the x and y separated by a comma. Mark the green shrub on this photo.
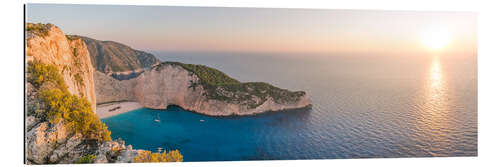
<point>60,105</point>
<point>76,113</point>
<point>38,29</point>
<point>87,159</point>
<point>72,37</point>
<point>79,79</point>
<point>148,156</point>
<point>39,73</point>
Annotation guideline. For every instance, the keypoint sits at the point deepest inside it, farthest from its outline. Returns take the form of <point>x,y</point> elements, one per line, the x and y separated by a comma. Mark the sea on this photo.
<point>364,106</point>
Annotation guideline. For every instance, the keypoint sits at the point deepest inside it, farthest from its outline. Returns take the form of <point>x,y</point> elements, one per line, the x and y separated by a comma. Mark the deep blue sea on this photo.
<point>364,106</point>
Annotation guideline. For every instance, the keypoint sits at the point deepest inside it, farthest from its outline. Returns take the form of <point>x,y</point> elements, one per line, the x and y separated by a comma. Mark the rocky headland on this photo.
<point>199,89</point>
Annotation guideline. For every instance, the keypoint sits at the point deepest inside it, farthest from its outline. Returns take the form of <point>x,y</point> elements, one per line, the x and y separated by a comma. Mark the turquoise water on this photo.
<point>363,107</point>
<point>203,138</point>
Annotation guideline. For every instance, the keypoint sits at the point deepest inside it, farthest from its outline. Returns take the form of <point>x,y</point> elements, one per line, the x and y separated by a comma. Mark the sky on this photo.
<point>169,28</point>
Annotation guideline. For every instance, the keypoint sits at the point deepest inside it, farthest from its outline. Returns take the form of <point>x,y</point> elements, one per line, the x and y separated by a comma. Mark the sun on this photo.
<point>436,39</point>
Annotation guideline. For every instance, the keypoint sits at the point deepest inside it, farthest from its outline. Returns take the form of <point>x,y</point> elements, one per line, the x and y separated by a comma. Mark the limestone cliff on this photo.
<point>109,89</point>
<point>52,142</point>
<point>190,87</point>
<point>47,44</point>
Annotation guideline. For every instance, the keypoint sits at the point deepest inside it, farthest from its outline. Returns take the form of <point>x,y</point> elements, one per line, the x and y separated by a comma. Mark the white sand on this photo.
<point>103,110</point>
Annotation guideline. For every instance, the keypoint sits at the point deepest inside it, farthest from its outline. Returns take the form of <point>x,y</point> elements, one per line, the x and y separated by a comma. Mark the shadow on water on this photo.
<point>300,112</point>
<point>283,118</point>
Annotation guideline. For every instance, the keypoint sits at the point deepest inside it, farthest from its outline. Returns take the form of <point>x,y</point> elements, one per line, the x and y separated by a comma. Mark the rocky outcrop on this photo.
<point>111,57</point>
<point>172,84</point>
<point>51,144</point>
<point>115,152</point>
<point>47,44</point>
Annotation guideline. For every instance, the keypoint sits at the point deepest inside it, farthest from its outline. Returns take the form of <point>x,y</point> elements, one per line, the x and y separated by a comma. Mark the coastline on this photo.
<point>115,108</point>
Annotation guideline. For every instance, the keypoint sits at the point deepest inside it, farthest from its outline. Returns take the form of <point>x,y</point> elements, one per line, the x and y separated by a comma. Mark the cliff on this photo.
<point>47,44</point>
<point>111,57</point>
<point>61,126</point>
<point>200,89</point>
<point>109,89</point>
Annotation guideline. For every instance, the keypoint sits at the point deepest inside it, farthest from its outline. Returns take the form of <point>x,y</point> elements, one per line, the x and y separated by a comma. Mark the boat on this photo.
<point>157,118</point>
<point>201,120</point>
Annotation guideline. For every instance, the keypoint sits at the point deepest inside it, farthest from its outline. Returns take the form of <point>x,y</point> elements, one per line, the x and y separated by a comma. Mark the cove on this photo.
<point>274,135</point>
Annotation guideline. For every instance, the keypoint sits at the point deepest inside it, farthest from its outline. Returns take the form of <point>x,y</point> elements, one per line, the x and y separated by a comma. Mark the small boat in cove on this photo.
<point>157,118</point>
<point>201,120</point>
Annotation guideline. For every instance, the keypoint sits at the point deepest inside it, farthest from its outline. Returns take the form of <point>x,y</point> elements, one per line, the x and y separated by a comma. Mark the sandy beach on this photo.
<point>115,108</point>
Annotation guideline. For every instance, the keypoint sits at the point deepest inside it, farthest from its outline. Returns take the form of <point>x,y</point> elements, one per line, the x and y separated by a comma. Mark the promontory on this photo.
<point>197,88</point>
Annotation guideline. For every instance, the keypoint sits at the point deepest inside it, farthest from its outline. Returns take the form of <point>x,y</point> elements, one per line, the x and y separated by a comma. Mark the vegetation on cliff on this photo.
<point>76,113</point>
<point>60,105</point>
<point>220,86</point>
<point>38,29</point>
<point>39,74</point>
<point>72,37</point>
<point>148,156</point>
<point>208,75</point>
<point>87,159</point>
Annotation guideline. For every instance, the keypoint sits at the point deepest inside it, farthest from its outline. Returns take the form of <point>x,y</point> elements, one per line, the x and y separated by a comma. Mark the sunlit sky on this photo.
<point>163,28</point>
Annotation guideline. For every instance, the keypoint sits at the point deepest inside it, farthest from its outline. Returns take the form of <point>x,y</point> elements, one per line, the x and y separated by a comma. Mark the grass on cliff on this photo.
<point>220,86</point>
<point>87,159</point>
<point>208,75</point>
<point>72,37</point>
<point>60,105</point>
<point>38,29</point>
<point>148,156</point>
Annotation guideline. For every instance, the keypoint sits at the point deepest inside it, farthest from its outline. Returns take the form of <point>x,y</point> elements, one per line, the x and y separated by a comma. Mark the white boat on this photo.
<point>201,120</point>
<point>157,118</point>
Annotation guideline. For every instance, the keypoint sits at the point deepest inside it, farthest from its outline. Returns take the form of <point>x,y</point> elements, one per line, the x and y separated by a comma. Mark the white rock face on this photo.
<point>51,144</point>
<point>70,56</point>
<point>115,152</point>
<point>158,88</point>
<point>109,89</point>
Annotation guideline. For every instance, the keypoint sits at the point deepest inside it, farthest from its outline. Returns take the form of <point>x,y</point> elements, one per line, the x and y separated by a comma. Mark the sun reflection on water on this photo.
<point>435,79</point>
<point>433,120</point>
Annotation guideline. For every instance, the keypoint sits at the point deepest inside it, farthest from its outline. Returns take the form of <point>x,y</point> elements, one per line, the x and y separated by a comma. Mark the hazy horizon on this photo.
<point>270,30</point>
